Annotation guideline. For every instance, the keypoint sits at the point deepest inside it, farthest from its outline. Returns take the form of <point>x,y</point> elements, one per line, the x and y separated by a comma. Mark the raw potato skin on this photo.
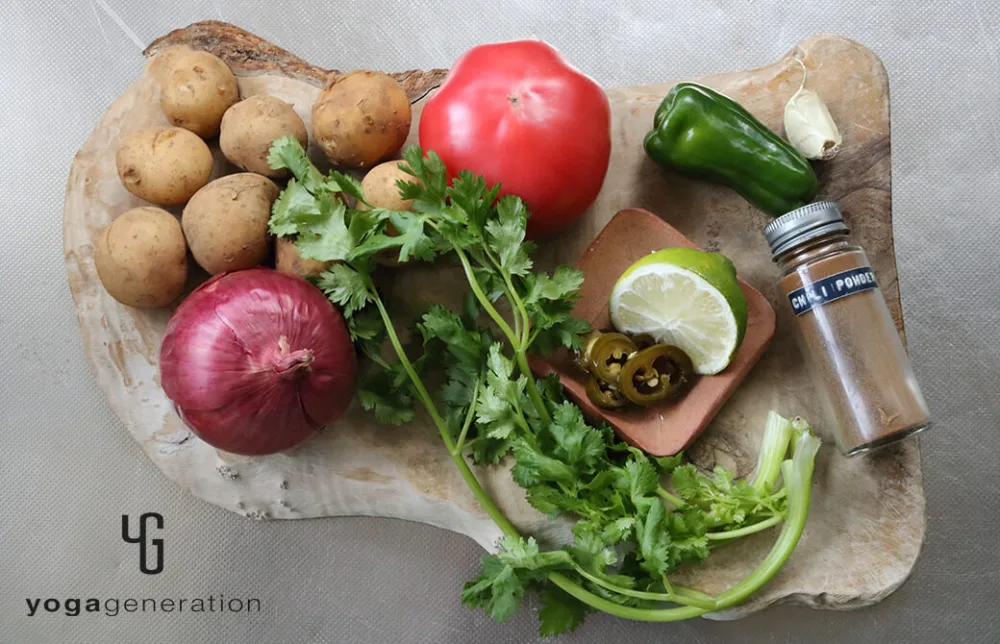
<point>252,125</point>
<point>361,118</point>
<point>141,258</point>
<point>196,89</point>
<point>225,223</point>
<point>380,188</point>
<point>164,165</point>
<point>161,63</point>
<point>288,260</point>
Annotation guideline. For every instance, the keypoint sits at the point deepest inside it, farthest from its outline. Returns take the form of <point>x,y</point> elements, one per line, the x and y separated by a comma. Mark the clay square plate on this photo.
<point>665,429</point>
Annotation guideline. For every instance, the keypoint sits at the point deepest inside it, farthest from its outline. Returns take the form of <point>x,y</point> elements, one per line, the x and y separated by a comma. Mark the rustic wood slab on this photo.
<point>867,519</point>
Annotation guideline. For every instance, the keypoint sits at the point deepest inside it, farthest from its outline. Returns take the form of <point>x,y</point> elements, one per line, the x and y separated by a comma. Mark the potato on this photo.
<point>225,222</point>
<point>162,62</point>
<point>288,260</point>
<point>380,187</point>
<point>380,190</point>
<point>361,118</point>
<point>164,165</point>
<point>251,126</point>
<point>196,89</point>
<point>141,258</point>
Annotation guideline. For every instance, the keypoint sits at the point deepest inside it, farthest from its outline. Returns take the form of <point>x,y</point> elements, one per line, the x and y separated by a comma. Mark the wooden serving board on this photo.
<point>867,520</point>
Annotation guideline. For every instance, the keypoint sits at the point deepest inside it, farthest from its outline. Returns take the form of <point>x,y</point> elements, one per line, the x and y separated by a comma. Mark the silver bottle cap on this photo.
<point>803,224</point>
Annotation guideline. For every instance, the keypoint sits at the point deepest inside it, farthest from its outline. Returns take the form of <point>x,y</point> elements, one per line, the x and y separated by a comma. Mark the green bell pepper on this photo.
<point>704,134</point>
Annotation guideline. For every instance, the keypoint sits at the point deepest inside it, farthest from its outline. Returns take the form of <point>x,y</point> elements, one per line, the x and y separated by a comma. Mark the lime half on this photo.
<point>687,298</point>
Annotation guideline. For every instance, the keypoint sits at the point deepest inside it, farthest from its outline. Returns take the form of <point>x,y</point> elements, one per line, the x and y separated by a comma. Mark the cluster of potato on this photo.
<point>358,120</point>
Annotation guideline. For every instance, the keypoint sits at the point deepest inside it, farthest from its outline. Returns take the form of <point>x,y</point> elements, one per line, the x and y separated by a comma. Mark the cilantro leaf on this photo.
<point>618,530</point>
<point>725,502</point>
<point>562,285</point>
<point>525,554</point>
<point>575,442</point>
<point>534,467</point>
<point>412,237</point>
<point>491,283</point>
<point>639,480</point>
<point>438,323</point>
<point>592,552</point>
<point>549,301</point>
<point>387,393</point>
<point>497,589</point>
<point>667,464</point>
<point>488,451</point>
<point>460,385</point>
<point>552,501</point>
<point>505,576</point>
<point>345,287</point>
<point>567,332</point>
<point>498,408</point>
<point>429,191</point>
<point>560,612</point>
<point>469,193</point>
<point>340,182</point>
<point>495,414</point>
<point>551,390</point>
<point>685,482</point>
<point>653,540</point>
<point>505,236</point>
<point>288,153</point>
<point>294,205</point>
<point>366,325</point>
<point>326,237</point>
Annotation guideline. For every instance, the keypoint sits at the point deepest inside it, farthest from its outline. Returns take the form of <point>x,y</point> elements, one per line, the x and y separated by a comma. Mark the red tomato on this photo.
<point>520,115</point>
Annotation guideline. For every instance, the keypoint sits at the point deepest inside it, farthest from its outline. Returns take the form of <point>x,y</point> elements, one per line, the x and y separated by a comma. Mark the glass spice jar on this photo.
<point>844,329</point>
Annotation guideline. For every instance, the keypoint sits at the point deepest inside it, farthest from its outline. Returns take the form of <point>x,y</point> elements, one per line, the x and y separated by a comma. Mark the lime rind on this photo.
<point>685,297</point>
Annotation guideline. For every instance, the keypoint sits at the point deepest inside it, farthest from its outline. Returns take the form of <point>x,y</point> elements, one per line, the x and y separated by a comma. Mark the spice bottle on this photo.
<point>851,346</point>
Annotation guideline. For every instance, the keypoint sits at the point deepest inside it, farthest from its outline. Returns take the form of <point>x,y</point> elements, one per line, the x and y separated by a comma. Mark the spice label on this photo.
<point>832,288</point>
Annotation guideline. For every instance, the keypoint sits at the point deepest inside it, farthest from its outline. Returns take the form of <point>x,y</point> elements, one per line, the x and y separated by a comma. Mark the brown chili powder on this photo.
<point>852,348</point>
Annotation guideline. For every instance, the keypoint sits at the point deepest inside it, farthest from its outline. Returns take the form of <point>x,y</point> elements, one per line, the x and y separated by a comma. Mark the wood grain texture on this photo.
<point>867,520</point>
<point>250,54</point>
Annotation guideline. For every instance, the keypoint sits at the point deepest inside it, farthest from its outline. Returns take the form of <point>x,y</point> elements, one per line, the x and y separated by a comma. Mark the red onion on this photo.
<point>257,361</point>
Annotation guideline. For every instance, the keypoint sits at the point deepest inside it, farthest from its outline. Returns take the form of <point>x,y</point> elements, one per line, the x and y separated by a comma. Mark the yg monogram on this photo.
<point>144,542</point>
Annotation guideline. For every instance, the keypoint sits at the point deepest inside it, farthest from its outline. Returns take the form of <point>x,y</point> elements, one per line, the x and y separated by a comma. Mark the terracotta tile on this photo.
<point>668,428</point>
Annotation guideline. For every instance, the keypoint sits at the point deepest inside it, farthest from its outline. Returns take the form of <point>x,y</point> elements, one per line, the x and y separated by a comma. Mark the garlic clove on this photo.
<point>809,127</point>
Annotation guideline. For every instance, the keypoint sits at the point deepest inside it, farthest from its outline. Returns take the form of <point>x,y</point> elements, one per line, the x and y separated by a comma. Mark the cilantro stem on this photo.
<point>499,518</point>
<point>522,321</point>
<point>519,309</point>
<point>517,318</point>
<point>746,530</point>
<point>692,593</point>
<point>536,398</point>
<point>520,350</point>
<point>707,602</point>
<point>797,473</point>
<point>673,500</point>
<point>376,358</point>
<point>484,301</point>
<point>460,442</point>
<point>418,384</point>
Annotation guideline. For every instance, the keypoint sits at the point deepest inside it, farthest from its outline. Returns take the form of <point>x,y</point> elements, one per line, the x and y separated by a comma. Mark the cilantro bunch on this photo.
<point>637,518</point>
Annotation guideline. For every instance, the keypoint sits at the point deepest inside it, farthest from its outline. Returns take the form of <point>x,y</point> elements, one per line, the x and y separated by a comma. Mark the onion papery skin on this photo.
<point>257,361</point>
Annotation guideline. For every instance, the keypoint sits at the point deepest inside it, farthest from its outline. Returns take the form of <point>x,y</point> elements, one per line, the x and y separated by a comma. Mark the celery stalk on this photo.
<point>774,447</point>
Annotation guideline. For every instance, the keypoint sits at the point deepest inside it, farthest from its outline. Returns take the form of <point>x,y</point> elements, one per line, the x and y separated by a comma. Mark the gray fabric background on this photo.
<point>68,469</point>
